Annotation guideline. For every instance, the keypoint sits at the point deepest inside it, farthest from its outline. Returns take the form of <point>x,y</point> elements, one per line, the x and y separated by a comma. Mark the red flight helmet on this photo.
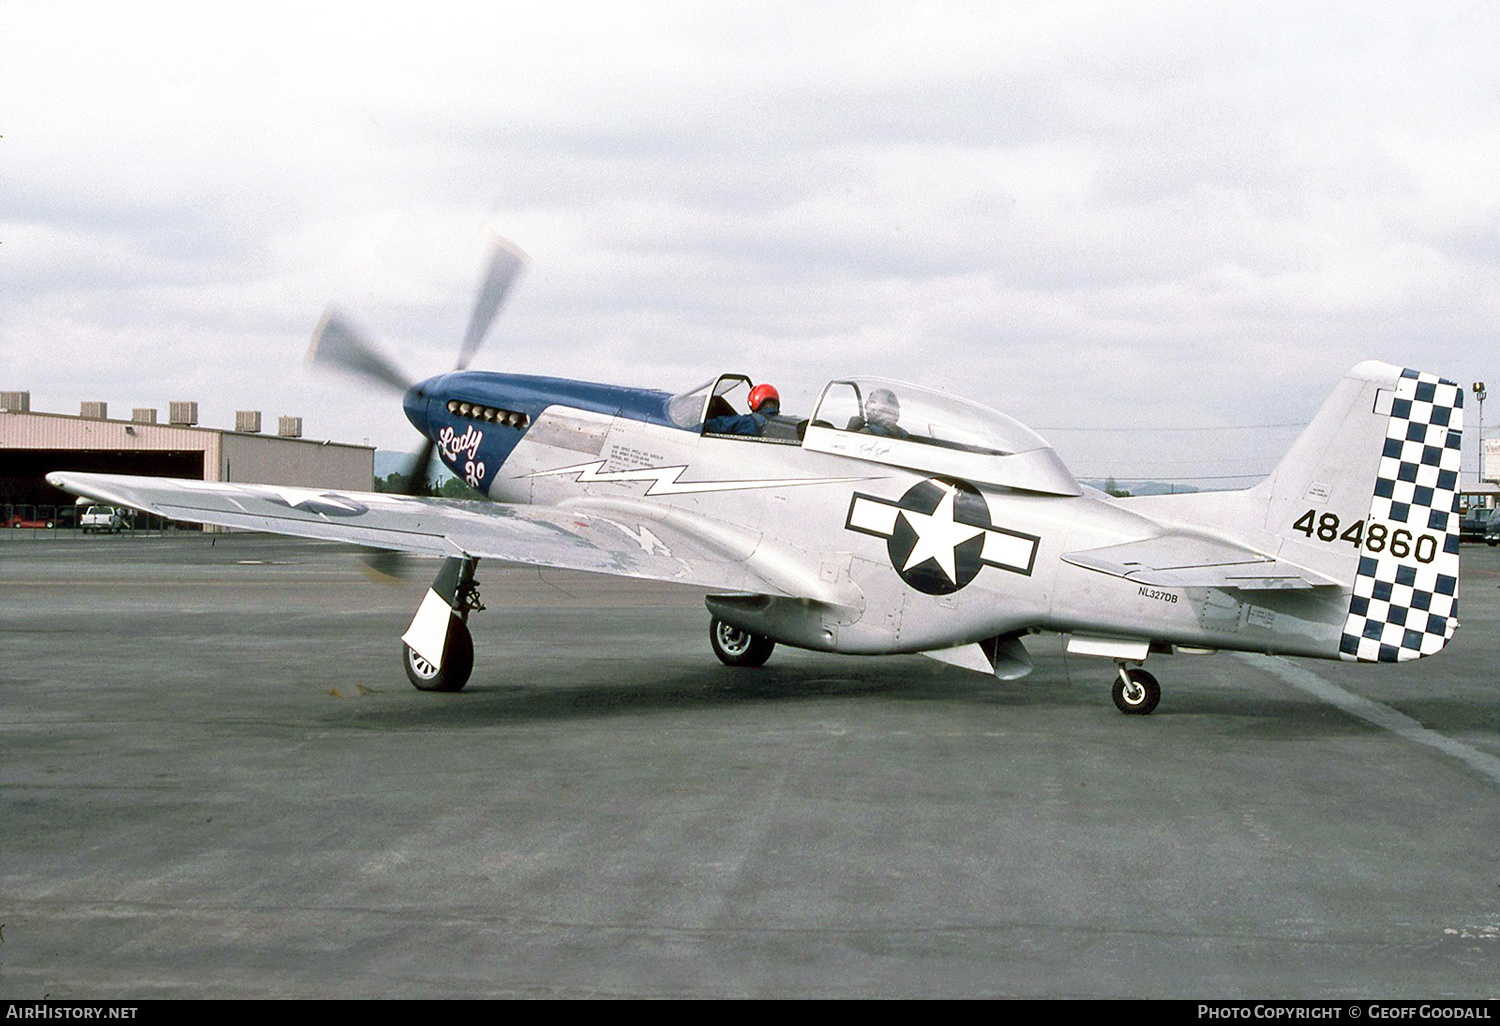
<point>760,393</point>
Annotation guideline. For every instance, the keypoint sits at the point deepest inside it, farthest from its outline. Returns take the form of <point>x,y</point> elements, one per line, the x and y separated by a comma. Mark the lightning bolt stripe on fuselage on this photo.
<point>664,480</point>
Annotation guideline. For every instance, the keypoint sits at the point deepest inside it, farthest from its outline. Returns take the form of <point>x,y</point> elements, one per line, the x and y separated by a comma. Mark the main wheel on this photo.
<point>458,662</point>
<point>1139,696</point>
<point>735,647</point>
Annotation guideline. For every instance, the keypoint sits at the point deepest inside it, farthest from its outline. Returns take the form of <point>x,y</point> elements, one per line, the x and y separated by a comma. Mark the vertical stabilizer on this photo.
<point>1405,602</point>
<point>1369,493</point>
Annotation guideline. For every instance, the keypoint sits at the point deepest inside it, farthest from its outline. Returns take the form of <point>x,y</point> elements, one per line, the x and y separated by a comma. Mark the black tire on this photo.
<point>458,662</point>
<point>1140,699</point>
<point>735,647</point>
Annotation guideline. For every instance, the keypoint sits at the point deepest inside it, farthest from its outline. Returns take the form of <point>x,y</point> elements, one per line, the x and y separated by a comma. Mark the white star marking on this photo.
<point>939,535</point>
<point>294,497</point>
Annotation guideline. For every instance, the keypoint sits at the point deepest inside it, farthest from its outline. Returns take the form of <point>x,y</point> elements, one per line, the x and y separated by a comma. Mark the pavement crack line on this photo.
<point>1373,712</point>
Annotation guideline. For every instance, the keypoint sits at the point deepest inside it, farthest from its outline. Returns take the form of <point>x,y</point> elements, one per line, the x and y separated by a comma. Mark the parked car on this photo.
<point>102,518</point>
<point>1473,524</point>
<point>1492,532</point>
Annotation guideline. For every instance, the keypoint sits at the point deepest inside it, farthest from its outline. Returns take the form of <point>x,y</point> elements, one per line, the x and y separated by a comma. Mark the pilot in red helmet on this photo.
<point>765,400</point>
<point>765,403</point>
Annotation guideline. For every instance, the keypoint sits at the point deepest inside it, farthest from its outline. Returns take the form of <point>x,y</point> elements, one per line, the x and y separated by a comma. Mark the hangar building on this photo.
<point>34,444</point>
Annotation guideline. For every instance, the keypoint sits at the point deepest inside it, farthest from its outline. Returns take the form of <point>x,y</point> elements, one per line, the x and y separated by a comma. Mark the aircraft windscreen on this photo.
<point>685,409</point>
<point>892,409</point>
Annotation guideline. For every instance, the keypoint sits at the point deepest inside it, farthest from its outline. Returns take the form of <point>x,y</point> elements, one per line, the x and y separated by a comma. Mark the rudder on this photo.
<point>1405,601</point>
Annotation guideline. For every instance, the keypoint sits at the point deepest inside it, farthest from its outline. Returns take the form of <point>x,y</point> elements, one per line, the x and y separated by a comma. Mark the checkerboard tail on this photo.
<point>1405,599</point>
<point>1368,495</point>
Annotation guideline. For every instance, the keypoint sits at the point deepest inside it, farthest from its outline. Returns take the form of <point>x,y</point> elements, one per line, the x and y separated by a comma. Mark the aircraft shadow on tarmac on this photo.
<point>1030,704</point>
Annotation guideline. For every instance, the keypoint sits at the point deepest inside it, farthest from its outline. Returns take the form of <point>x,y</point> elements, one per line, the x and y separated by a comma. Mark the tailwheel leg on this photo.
<point>437,650</point>
<point>1136,692</point>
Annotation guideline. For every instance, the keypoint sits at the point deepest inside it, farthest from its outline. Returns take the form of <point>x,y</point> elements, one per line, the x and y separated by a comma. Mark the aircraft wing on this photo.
<point>1190,561</point>
<point>613,538</point>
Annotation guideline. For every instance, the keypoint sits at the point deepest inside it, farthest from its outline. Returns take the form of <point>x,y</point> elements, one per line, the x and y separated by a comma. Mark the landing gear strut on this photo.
<point>735,647</point>
<point>1136,692</point>
<point>437,649</point>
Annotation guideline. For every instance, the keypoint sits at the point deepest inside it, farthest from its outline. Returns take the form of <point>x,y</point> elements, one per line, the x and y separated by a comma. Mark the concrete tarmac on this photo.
<point>216,782</point>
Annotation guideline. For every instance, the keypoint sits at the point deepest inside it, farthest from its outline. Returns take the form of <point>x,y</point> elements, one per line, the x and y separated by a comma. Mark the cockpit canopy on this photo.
<point>893,409</point>
<point>691,408</point>
<point>914,427</point>
<point>890,422</point>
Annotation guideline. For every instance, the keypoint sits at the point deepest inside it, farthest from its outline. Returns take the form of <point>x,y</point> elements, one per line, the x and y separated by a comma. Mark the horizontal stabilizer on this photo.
<point>1192,561</point>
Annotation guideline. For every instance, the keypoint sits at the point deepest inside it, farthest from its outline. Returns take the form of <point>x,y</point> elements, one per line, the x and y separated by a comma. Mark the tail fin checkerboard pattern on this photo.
<point>1405,601</point>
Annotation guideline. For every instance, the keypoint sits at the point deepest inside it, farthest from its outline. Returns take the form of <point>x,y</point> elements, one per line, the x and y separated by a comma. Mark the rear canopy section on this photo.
<point>916,428</point>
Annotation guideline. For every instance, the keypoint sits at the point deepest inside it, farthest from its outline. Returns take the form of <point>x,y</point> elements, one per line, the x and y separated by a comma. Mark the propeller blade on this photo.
<point>506,262</point>
<point>337,344</point>
<point>418,481</point>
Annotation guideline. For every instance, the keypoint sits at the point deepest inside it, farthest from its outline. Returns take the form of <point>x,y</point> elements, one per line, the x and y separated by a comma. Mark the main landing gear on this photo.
<point>437,649</point>
<point>452,673</point>
<point>735,647</point>
<point>1136,692</point>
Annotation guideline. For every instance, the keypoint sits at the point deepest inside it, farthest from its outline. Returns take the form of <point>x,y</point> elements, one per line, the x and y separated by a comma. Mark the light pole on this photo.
<point>1479,394</point>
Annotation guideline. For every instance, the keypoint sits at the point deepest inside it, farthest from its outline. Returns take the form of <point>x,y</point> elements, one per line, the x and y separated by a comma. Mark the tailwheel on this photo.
<point>735,647</point>
<point>1136,692</point>
<point>457,664</point>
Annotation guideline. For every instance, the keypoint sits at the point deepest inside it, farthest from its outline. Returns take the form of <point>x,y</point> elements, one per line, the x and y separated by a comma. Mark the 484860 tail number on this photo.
<point>1377,537</point>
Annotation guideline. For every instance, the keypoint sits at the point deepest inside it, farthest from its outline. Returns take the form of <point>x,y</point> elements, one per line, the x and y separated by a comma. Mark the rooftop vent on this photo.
<point>143,415</point>
<point>247,421</point>
<point>93,411</point>
<point>290,427</point>
<point>15,402</point>
<point>184,414</point>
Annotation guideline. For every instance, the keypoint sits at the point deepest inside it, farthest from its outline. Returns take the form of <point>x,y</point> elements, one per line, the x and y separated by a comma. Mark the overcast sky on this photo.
<point>1144,215</point>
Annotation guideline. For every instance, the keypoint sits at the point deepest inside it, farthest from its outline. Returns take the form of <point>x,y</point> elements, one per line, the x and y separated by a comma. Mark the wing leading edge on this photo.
<point>612,538</point>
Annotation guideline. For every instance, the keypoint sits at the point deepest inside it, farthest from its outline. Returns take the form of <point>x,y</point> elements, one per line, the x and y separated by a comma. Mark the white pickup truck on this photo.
<point>102,518</point>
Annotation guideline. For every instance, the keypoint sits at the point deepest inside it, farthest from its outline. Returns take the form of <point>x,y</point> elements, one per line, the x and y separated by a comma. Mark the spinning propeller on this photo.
<point>338,344</point>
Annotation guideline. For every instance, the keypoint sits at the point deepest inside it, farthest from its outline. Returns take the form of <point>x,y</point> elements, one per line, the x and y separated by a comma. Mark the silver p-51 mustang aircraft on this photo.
<point>891,518</point>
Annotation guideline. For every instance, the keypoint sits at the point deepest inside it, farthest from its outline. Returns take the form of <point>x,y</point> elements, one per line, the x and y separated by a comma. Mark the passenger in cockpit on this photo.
<point>881,413</point>
<point>765,403</point>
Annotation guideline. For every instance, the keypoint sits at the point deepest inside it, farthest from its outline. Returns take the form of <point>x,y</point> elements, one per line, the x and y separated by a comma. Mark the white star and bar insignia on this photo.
<point>939,535</point>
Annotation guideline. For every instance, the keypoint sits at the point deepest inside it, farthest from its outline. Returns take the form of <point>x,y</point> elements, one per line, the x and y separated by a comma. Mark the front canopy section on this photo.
<point>687,409</point>
<point>727,407</point>
<point>917,428</point>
